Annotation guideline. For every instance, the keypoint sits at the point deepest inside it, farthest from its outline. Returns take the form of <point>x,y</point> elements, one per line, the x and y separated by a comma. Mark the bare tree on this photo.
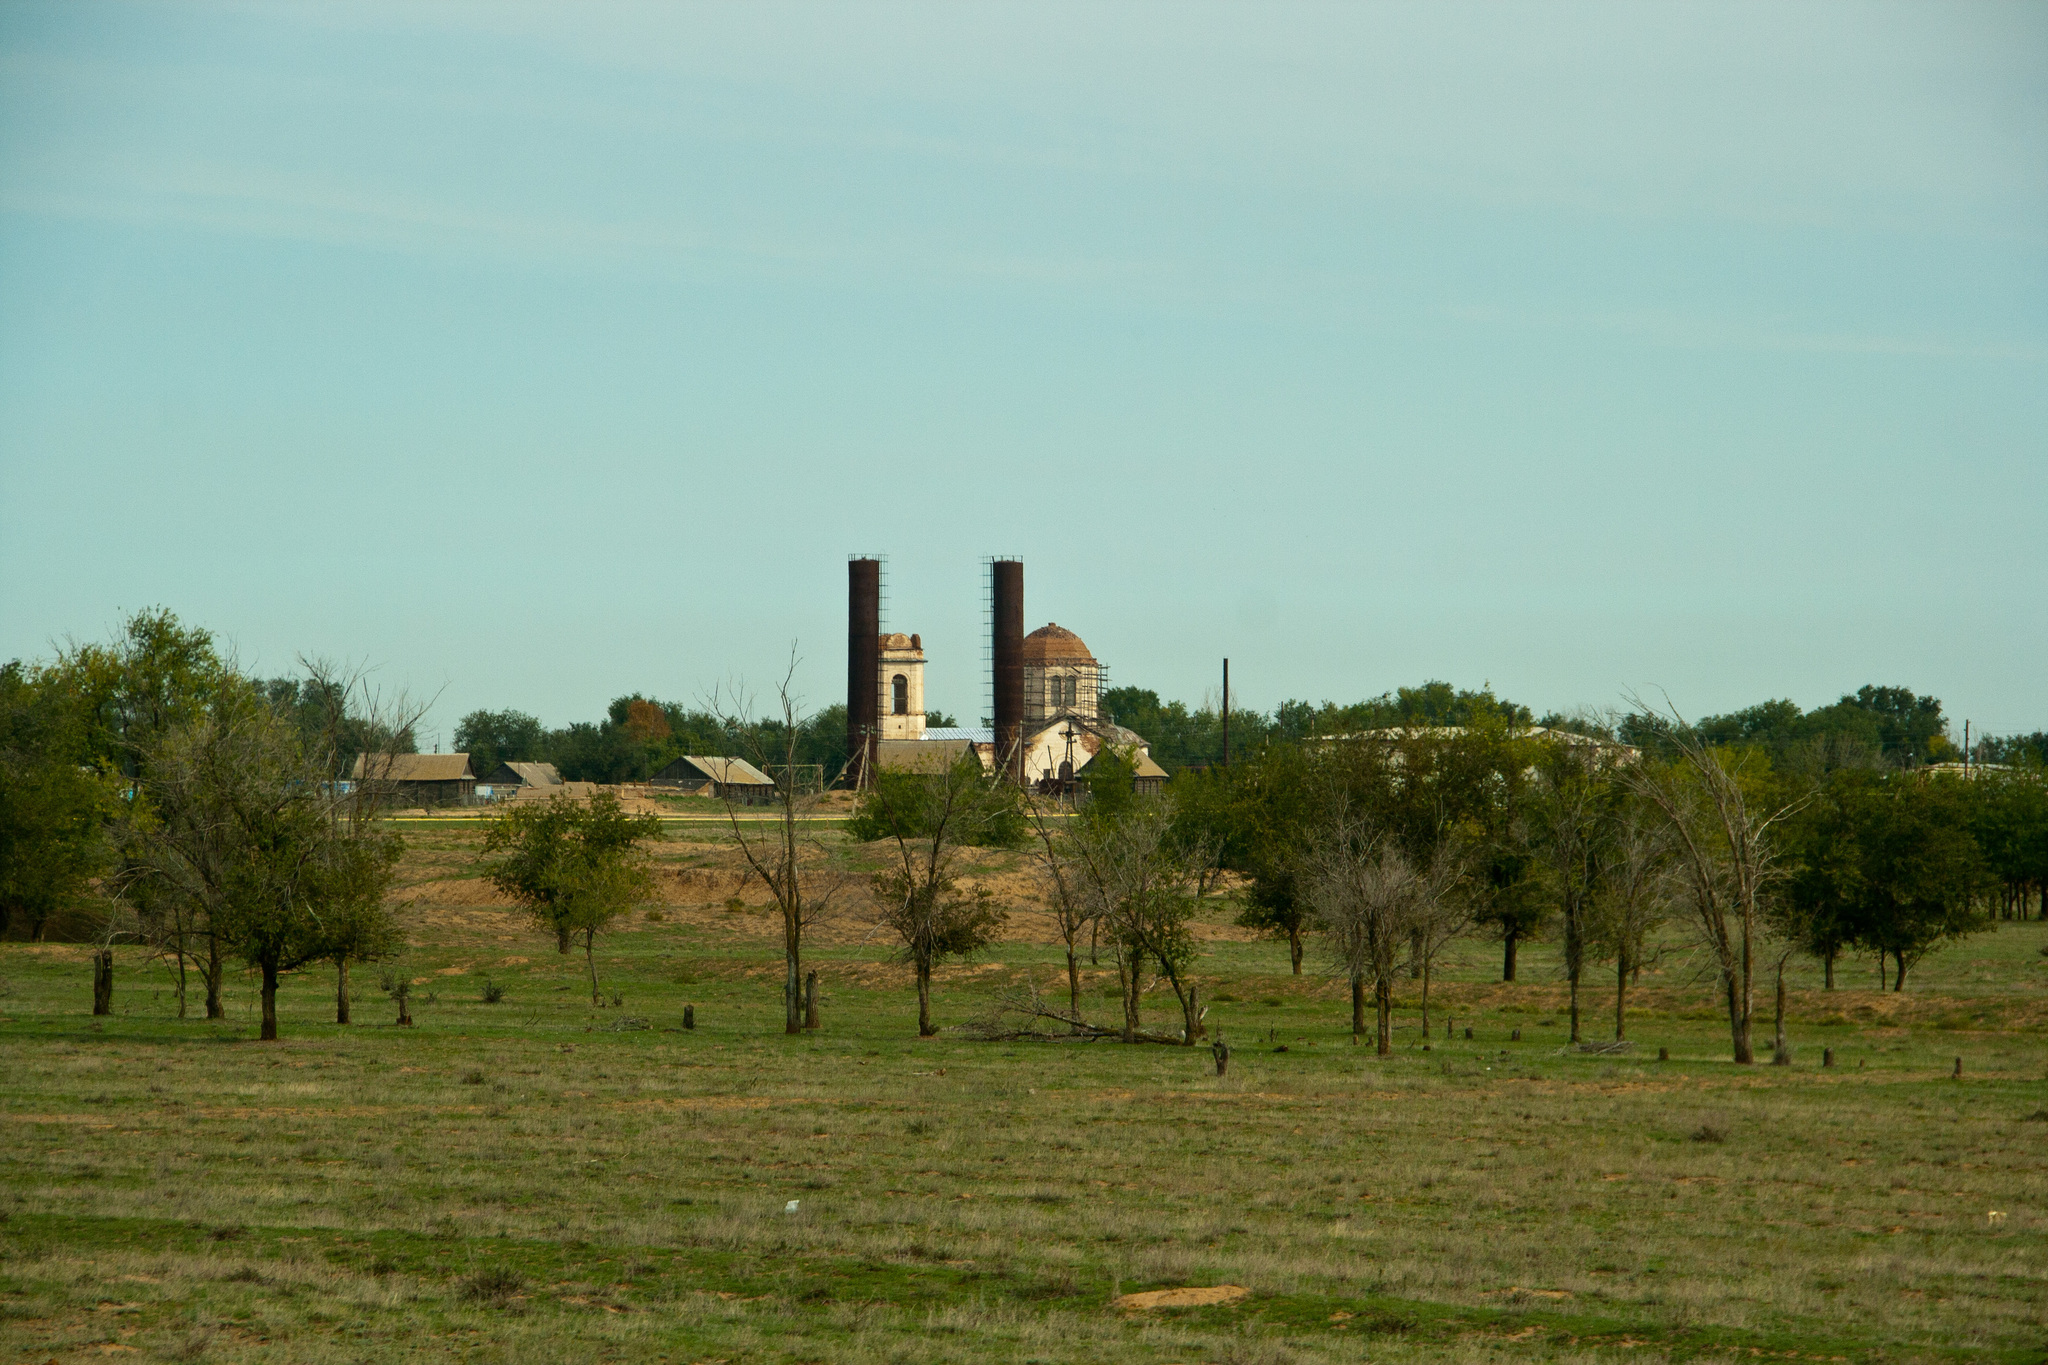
<point>1062,884</point>
<point>1570,818</point>
<point>1140,885</point>
<point>781,853</point>
<point>1364,892</point>
<point>1441,914</point>
<point>1727,854</point>
<point>918,896</point>
<point>1633,899</point>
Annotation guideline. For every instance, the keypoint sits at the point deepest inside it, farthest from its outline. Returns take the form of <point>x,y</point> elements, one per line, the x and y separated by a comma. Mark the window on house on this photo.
<point>899,691</point>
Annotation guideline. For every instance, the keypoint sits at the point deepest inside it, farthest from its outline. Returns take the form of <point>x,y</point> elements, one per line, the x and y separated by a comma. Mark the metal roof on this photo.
<point>982,734</point>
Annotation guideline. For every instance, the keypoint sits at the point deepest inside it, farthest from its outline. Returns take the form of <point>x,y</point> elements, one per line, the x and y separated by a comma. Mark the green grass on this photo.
<point>540,1180</point>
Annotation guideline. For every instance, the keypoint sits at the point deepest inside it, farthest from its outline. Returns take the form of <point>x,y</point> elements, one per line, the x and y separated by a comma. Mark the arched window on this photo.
<point>899,692</point>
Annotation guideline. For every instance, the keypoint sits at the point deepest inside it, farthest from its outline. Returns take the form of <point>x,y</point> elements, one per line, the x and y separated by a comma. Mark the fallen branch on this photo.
<point>1012,1014</point>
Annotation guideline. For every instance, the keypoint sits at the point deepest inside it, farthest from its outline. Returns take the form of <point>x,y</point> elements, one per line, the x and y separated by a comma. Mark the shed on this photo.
<point>418,779</point>
<point>732,779</point>
<point>511,774</point>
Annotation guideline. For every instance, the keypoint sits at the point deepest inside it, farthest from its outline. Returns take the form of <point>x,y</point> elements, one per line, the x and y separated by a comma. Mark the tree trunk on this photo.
<point>1425,998</point>
<point>341,990</point>
<point>792,976</point>
<point>1507,964</point>
<point>1383,995</point>
<point>1574,965</point>
<point>1781,1055</point>
<point>1190,1013</point>
<point>269,1001</point>
<point>214,970</point>
<point>181,978</point>
<point>590,961</point>
<point>1899,981</point>
<point>103,981</point>
<point>562,932</point>
<point>1294,947</point>
<point>924,998</point>
<point>1074,985</point>
<point>1357,1008</point>
<point>405,1011</point>
<point>1738,1021</point>
<point>1621,995</point>
<point>1127,978</point>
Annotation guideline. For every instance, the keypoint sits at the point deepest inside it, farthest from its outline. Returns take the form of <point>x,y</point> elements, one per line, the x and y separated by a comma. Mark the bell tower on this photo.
<point>899,686</point>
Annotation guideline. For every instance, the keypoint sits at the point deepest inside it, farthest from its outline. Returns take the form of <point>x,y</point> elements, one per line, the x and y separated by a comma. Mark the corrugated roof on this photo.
<point>983,734</point>
<point>411,768</point>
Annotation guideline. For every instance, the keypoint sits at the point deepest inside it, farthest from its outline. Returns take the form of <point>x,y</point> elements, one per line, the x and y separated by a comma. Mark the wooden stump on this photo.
<point>1220,1050</point>
<point>103,982</point>
<point>689,1016</point>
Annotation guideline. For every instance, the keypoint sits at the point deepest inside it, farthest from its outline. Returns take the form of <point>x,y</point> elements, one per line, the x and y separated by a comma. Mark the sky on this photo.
<point>532,355</point>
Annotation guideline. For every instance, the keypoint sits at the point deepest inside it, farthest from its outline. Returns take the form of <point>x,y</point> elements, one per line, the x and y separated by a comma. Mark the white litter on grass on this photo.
<point>790,1207</point>
<point>1994,1217</point>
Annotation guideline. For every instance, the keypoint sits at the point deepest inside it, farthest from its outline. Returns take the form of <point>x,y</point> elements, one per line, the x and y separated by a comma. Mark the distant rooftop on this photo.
<point>979,734</point>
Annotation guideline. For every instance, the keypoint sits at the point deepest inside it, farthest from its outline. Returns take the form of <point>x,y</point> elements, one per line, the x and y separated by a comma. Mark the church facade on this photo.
<point>1063,726</point>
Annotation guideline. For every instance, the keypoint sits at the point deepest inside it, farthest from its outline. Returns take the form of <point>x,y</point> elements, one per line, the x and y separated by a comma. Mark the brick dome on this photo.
<point>1051,644</point>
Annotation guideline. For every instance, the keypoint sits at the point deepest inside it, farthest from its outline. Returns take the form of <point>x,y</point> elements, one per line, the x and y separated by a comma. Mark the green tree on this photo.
<point>1257,814</point>
<point>1572,825</point>
<point>1921,870</point>
<point>494,737</point>
<point>247,826</point>
<point>156,676</point>
<point>1821,906</point>
<point>898,805</point>
<point>55,812</point>
<point>927,818</point>
<point>574,866</point>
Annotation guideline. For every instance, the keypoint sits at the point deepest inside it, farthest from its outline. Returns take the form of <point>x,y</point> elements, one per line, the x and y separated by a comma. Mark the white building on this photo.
<point>902,686</point>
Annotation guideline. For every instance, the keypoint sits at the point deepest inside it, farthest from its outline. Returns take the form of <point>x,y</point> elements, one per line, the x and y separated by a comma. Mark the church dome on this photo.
<point>1055,644</point>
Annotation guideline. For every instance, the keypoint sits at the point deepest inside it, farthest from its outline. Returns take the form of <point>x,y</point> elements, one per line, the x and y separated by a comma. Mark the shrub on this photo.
<point>494,1286</point>
<point>491,991</point>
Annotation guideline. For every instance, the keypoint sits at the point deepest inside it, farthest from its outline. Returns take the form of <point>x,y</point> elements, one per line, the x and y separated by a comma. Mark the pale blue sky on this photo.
<point>542,353</point>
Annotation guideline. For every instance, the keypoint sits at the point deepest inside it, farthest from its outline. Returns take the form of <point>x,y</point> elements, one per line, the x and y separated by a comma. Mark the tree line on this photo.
<point>157,794</point>
<point>1892,725</point>
<point>147,784</point>
<point>640,736</point>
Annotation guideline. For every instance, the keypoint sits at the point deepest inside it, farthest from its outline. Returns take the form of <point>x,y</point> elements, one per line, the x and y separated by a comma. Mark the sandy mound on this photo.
<point>1187,1297</point>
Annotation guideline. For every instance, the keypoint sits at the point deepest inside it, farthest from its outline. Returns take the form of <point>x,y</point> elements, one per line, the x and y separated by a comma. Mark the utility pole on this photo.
<point>1226,713</point>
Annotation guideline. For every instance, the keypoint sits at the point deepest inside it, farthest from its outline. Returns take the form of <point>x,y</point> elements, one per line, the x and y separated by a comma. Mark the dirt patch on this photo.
<point>1190,1296</point>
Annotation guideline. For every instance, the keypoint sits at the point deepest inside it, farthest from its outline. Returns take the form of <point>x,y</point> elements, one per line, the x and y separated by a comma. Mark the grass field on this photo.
<point>540,1180</point>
